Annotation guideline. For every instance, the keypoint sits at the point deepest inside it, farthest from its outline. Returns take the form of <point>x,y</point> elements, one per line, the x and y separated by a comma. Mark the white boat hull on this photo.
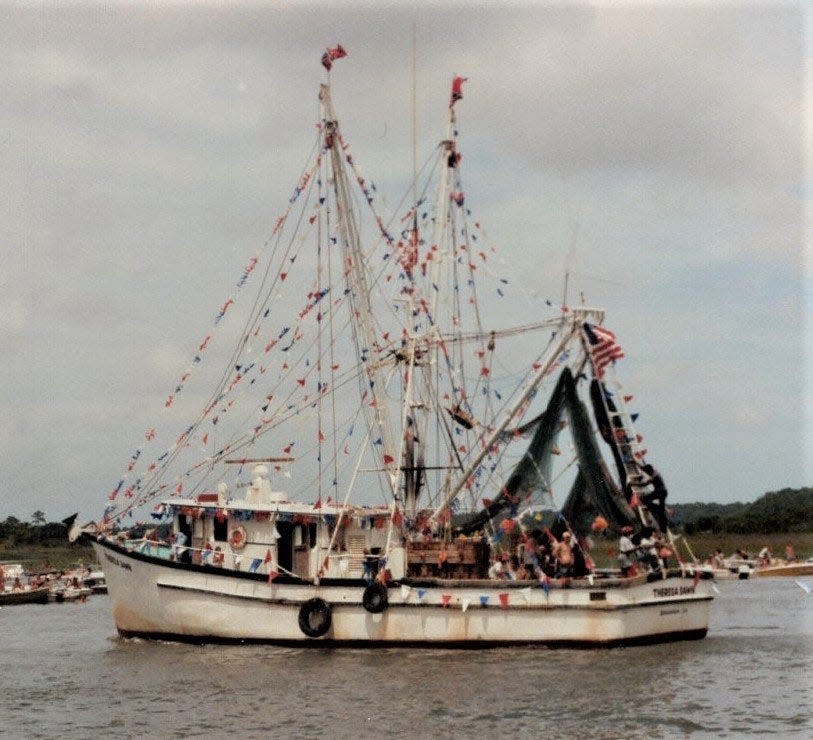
<point>69,594</point>
<point>741,572</point>
<point>165,600</point>
<point>788,570</point>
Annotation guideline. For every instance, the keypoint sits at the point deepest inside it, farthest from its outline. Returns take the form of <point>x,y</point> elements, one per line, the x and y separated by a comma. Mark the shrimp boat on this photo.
<point>425,428</point>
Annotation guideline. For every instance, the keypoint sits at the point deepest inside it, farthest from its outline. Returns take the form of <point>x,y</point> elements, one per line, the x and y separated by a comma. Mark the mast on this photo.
<point>414,117</point>
<point>431,337</point>
<point>361,310</point>
<point>413,427</point>
<point>441,209</point>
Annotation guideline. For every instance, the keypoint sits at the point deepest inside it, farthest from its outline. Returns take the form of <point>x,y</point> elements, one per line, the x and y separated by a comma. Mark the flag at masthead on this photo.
<point>331,55</point>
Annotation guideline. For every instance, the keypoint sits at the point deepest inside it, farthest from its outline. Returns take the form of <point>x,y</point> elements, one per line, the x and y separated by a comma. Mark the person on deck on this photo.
<point>178,542</point>
<point>544,555</point>
<point>655,501</point>
<point>513,568</point>
<point>648,550</point>
<point>563,552</point>
<point>790,553</point>
<point>529,556</point>
<point>582,563</point>
<point>443,563</point>
<point>626,550</point>
<point>495,572</point>
<point>765,556</point>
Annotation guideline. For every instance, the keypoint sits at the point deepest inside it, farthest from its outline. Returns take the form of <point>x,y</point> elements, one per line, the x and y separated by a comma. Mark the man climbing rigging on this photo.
<point>655,501</point>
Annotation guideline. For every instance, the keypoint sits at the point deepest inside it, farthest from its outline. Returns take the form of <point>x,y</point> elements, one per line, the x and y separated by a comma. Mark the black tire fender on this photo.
<point>315,617</point>
<point>374,598</point>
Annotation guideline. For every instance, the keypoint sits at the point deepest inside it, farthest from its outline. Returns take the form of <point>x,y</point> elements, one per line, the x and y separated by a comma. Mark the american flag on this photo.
<point>603,347</point>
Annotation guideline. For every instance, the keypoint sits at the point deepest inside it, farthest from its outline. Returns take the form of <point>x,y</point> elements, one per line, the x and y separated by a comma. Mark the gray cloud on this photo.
<point>148,150</point>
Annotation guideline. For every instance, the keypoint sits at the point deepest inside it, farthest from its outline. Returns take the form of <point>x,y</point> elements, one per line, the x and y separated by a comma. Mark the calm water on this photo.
<point>63,672</point>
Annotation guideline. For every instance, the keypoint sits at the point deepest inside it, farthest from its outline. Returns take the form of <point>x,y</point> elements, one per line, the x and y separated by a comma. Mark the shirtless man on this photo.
<point>563,552</point>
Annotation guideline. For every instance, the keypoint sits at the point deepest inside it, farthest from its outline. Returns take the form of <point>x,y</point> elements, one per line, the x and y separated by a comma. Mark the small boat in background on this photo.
<point>9,571</point>
<point>96,582</point>
<point>68,589</point>
<point>781,568</point>
<point>729,570</point>
<point>14,591</point>
<point>24,596</point>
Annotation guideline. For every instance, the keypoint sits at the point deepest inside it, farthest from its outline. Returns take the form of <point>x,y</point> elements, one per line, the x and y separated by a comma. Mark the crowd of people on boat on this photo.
<point>54,580</point>
<point>543,554</point>
<point>16,585</point>
<point>763,559</point>
<point>644,550</point>
<point>13,580</point>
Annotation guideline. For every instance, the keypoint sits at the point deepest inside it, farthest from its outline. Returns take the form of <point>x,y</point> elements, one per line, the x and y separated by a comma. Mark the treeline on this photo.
<point>788,510</point>
<point>16,533</point>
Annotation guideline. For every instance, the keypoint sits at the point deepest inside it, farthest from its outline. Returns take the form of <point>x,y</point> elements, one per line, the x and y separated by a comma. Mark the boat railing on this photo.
<point>199,556</point>
<point>167,551</point>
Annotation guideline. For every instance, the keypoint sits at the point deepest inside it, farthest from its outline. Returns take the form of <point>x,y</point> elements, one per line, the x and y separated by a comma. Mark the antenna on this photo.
<point>414,112</point>
<point>570,258</point>
<point>564,290</point>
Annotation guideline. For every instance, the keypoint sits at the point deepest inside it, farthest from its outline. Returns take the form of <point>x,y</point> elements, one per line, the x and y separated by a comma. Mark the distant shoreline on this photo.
<point>58,557</point>
<point>703,545</point>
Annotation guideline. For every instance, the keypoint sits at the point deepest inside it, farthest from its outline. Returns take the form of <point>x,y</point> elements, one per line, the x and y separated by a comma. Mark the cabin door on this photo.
<point>185,526</point>
<point>285,545</point>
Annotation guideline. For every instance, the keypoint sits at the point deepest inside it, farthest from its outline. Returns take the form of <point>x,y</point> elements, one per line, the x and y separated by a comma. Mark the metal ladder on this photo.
<point>630,448</point>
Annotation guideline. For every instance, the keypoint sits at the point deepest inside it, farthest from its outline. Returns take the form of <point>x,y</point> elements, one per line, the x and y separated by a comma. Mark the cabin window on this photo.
<point>312,530</point>
<point>221,533</point>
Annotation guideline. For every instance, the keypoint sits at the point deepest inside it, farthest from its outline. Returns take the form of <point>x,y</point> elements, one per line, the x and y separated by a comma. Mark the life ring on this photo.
<point>315,617</point>
<point>375,598</point>
<point>237,538</point>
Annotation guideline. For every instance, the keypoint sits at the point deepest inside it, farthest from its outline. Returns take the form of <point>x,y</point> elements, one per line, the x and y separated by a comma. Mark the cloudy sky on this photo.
<point>655,150</point>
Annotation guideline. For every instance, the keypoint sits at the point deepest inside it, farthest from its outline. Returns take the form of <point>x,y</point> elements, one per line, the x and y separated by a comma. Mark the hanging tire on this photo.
<point>375,598</point>
<point>315,617</point>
